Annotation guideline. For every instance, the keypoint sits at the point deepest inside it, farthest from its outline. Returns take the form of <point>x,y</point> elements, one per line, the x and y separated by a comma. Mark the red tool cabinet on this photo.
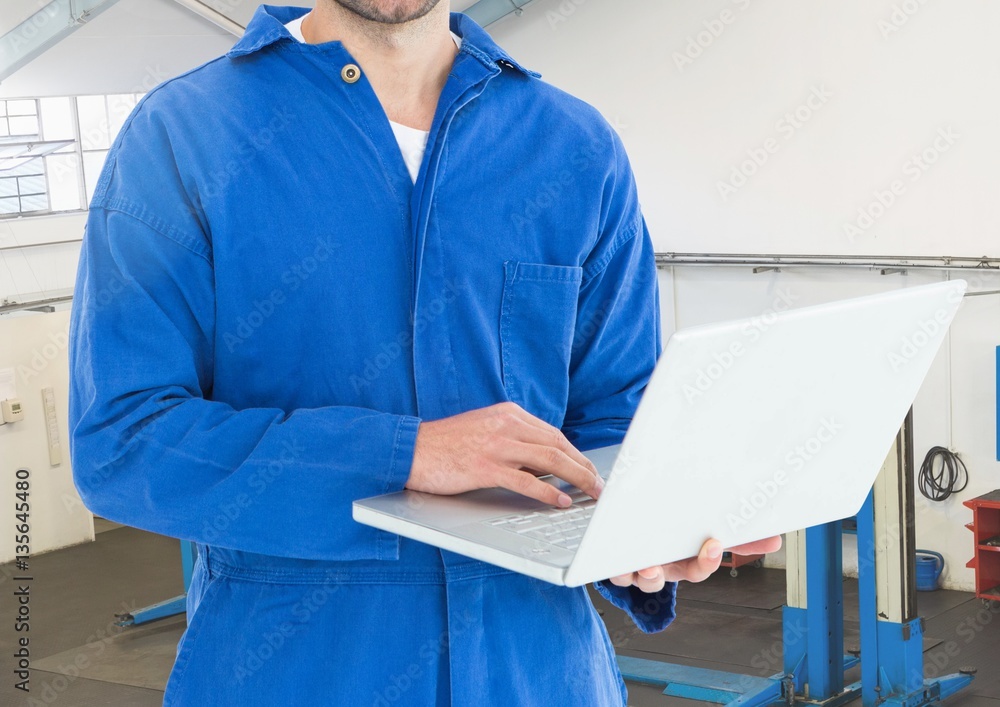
<point>985,527</point>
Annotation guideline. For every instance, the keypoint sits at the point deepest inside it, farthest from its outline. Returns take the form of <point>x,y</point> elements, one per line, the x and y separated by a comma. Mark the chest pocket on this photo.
<point>537,322</point>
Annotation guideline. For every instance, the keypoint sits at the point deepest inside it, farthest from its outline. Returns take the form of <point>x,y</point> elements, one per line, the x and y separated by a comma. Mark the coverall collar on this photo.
<point>267,27</point>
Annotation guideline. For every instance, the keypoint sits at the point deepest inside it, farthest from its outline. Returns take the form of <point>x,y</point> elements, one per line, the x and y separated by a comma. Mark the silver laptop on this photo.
<point>747,429</point>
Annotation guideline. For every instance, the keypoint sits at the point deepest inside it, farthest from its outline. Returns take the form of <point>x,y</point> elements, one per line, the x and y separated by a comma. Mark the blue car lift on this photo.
<point>170,607</point>
<point>813,619</point>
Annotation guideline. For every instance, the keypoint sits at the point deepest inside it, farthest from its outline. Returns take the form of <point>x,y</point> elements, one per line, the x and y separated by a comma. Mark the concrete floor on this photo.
<point>80,658</point>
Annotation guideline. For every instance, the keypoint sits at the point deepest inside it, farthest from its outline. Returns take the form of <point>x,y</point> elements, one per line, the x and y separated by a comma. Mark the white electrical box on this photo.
<point>12,410</point>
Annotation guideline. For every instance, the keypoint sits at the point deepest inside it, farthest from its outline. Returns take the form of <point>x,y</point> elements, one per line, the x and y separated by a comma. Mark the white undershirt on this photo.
<point>412,142</point>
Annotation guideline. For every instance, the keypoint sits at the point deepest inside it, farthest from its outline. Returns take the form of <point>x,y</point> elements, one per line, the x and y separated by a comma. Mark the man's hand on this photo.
<point>498,446</point>
<point>694,569</point>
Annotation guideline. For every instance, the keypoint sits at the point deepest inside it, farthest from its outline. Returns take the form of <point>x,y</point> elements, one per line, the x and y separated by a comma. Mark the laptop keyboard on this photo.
<point>563,527</point>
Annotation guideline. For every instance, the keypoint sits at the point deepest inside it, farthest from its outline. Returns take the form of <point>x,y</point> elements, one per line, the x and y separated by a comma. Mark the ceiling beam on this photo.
<point>44,29</point>
<point>213,16</point>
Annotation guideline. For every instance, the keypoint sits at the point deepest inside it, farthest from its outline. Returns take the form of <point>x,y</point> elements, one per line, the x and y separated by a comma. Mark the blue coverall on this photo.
<point>266,309</point>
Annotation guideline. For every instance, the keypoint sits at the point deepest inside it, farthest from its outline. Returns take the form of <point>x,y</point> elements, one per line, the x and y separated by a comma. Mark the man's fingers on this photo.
<point>759,547</point>
<point>651,579</point>
<point>553,461</point>
<point>693,569</point>
<point>527,485</point>
<point>523,415</point>
<point>707,562</point>
<point>538,431</point>
<point>623,580</point>
<point>679,571</point>
<point>651,586</point>
<point>696,569</point>
<point>651,572</point>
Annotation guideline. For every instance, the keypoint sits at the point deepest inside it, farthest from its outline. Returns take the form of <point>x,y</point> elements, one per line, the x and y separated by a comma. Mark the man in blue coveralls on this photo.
<point>364,250</point>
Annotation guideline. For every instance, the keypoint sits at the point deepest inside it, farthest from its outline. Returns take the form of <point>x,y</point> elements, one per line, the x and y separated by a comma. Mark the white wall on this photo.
<point>35,346</point>
<point>888,90</point>
<point>129,48</point>
<point>685,127</point>
<point>34,273</point>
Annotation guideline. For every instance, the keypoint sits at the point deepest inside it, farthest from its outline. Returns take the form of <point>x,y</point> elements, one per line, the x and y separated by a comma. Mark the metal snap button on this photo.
<point>350,73</point>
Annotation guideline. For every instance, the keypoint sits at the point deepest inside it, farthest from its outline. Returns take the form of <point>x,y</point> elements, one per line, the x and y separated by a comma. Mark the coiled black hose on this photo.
<point>942,474</point>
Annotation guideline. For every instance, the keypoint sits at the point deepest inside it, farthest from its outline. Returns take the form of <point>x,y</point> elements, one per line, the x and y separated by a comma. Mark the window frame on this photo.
<point>43,170</point>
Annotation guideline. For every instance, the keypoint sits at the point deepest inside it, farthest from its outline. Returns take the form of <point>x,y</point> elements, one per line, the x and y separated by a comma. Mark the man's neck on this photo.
<point>407,64</point>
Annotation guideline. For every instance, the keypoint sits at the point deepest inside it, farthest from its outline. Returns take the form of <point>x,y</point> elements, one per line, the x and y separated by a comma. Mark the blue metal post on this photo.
<point>794,633</point>
<point>188,554</point>
<point>892,661</point>
<point>867,605</point>
<point>701,684</point>
<point>824,616</point>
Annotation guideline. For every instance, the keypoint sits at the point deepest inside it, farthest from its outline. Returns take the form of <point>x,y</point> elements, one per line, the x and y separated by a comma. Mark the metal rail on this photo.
<point>39,245</point>
<point>888,264</point>
<point>41,304</point>
<point>760,263</point>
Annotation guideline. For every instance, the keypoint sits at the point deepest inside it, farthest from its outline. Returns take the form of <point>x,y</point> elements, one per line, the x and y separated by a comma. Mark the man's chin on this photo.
<point>391,12</point>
